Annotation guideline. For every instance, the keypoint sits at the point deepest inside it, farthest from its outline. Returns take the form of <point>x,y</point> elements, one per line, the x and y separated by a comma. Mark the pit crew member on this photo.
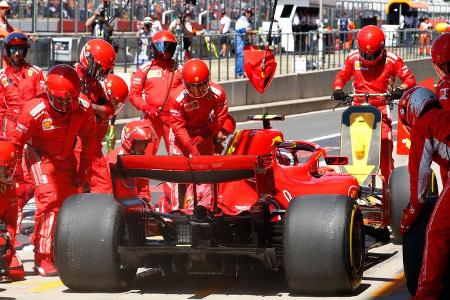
<point>49,125</point>
<point>374,70</point>
<point>191,106</point>
<point>20,82</point>
<point>420,111</point>
<point>97,60</point>
<point>153,82</point>
<point>11,268</point>
<point>135,138</point>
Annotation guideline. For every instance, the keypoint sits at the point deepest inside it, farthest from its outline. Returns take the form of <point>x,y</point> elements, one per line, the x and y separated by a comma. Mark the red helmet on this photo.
<point>16,40</point>
<point>63,88</point>
<point>229,126</point>
<point>440,54</point>
<point>116,89</point>
<point>196,77</point>
<point>7,160</point>
<point>371,45</point>
<point>413,104</point>
<point>97,58</point>
<point>164,45</point>
<point>137,131</point>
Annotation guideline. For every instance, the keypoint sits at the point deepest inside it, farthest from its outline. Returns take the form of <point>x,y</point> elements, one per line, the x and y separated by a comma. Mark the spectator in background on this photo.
<point>296,30</point>
<point>97,23</point>
<point>156,24</point>
<point>183,25</point>
<point>276,35</point>
<point>425,36</point>
<point>343,26</point>
<point>224,30</point>
<point>242,28</point>
<point>5,28</point>
<point>144,53</point>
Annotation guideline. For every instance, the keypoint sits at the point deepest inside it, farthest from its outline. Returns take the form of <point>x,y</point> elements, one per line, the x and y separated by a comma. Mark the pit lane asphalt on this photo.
<point>383,277</point>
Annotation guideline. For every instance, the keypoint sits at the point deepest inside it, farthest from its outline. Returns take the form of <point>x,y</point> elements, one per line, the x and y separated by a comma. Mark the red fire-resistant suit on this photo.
<point>8,214</point>
<point>125,188</point>
<point>100,181</point>
<point>443,92</point>
<point>430,142</point>
<point>50,137</point>
<point>149,89</point>
<point>17,87</point>
<point>190,119</point>
<point>374,80</point>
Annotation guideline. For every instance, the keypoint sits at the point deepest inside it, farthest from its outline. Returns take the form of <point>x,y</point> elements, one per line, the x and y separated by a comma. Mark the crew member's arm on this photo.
<point>343,75</point>
<point>406,76</point>
<point>88,141</point>
<point>178,124</point>
<point>420,158</point>
<point>220,111</point>
<point>137,86</point>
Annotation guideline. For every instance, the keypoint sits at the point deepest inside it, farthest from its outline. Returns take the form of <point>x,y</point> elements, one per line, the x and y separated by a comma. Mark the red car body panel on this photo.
<point>255,149</point>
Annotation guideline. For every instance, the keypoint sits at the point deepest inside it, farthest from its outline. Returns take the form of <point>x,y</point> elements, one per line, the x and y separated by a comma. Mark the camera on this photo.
<point>102,12</point>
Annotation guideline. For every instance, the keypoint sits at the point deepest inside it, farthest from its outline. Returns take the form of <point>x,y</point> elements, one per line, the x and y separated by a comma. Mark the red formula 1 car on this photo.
<point>273,204</point>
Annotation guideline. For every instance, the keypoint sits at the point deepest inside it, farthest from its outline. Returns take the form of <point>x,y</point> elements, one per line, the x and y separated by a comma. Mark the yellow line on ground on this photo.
<point>43,287</point>
<point>390,286</point>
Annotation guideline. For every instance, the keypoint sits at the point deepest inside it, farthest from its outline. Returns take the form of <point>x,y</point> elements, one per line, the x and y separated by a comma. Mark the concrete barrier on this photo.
<point>294,93</point>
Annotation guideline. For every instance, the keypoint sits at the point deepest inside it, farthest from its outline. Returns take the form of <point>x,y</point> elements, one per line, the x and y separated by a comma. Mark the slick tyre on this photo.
<point>89,229</point>
<point>400,194</point>
<point>413,247</point>
<point>323,245</point>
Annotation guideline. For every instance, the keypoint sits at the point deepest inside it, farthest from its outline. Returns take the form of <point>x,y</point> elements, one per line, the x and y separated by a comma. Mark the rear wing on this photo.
<point>210,169</point>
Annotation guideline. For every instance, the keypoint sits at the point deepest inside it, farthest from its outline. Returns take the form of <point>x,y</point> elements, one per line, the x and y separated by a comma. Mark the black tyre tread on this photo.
<point>88,231</point>
<point>315,240</point>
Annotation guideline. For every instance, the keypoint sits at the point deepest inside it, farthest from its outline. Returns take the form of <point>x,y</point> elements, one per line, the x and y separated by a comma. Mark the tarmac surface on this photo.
<point>383,276</point>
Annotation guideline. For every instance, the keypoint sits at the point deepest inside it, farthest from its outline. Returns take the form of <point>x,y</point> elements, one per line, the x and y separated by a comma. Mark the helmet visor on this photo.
<point>167,48</point>
<point>197,90</point>
<point>371,56</point>
<point>62,104</point>
<point>96,71</point>
<point>442,70</point>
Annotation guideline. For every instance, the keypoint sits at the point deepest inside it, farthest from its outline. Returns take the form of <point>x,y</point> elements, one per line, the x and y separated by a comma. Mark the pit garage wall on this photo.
<point>289,94</point>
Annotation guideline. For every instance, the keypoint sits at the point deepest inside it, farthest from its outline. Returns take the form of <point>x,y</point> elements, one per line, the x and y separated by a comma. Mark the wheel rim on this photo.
<point>355,244</point>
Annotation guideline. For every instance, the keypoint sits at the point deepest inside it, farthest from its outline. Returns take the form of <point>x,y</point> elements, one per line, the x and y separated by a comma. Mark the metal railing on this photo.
<point>295,53</point>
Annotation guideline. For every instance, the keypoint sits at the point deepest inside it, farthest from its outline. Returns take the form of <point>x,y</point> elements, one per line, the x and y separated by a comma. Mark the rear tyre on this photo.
<point>400,194</point>
<point>89,229</point>
<point>323,244</point>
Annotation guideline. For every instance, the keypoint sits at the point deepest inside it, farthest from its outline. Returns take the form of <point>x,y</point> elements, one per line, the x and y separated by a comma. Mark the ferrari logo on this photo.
<point>196,78</point>
<point>5,82</point>
<point>46,124</point>
<point>276,139</point>
<point>357,65</point>
<point>30,73</point>
<point>368,47</point>
<point>263,75</point>
<point>109,84</point>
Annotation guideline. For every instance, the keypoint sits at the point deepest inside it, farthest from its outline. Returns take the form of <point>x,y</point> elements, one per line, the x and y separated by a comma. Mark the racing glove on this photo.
<point>150,110</point>
<point>410,216</point>
<point>397,93</point>
<point>339,95</point>
<point>82,176</point>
